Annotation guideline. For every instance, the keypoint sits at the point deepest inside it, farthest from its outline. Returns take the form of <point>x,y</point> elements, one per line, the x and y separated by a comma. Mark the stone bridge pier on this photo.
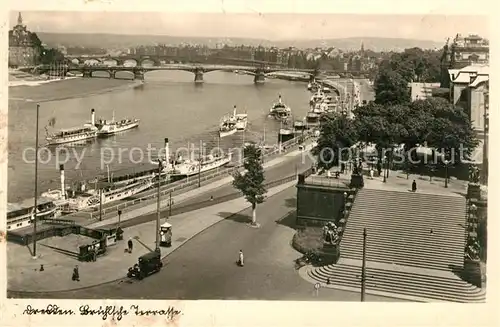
<point>198,75</point>
<point>259,77</point>
<point>87,73</point>
<point>139,74</point>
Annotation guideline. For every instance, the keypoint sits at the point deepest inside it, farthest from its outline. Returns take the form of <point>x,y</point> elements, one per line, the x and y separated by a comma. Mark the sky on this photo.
<point>270,26</point>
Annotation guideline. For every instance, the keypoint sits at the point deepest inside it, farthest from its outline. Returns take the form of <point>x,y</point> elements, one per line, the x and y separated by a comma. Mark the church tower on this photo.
<point>19,19</point>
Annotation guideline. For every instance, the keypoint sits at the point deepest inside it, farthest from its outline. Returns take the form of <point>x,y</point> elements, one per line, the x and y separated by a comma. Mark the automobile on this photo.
<point>147,264</point>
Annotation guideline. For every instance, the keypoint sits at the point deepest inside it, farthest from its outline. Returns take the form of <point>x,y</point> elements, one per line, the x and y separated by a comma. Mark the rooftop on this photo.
<point>27,203</point>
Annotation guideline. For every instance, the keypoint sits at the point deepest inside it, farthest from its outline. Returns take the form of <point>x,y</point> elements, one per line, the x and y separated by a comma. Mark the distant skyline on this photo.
<point>257,26</point>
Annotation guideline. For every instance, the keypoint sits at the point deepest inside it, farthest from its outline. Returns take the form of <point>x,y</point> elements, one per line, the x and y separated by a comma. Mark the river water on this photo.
<point>169,104</point>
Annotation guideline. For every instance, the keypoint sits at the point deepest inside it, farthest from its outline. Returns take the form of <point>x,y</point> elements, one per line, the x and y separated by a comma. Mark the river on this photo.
<point>169,104</point>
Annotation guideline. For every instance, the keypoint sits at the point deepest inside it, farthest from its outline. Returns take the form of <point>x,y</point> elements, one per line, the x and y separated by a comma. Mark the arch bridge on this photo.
<point>259,73</point>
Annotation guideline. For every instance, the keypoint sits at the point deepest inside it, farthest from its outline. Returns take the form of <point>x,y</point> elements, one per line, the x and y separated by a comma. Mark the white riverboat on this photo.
<point>21,214</point>
<point>76,134</point>
<point>92,198</point>
<point>279,110</point>
<point>70,135</point>
<point>107,128</point>
<point>192,167</point>
<point>232,123</point>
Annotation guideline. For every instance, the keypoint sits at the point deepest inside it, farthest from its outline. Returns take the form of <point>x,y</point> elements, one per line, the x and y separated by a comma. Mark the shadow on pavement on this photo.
<point>237,217</point>
<point>288,220</point>
<point>70,254</point>
<point>291,203</point>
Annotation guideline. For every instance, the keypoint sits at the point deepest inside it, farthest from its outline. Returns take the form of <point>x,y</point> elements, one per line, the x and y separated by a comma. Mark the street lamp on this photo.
<point>157,232</point>
<point>446,162</point>
<point>35,207</point>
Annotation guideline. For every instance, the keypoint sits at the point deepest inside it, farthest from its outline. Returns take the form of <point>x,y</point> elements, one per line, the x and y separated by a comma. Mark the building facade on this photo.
<point>470,50</point>
<point>23,50</point>
<point>468,90</point>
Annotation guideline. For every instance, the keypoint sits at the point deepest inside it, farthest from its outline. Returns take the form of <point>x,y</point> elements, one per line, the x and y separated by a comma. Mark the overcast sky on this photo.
<point>261,26</point>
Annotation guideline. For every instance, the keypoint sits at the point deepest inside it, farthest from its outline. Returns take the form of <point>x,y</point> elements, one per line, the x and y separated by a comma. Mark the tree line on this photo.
<point>393,119</point>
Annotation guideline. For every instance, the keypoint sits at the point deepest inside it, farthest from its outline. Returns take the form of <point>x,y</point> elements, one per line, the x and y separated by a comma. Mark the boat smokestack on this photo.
<point>167,152</point>
<point>234,110</point>
<point>279,98</point>
<point>92,117</point>
<point>63,187</point>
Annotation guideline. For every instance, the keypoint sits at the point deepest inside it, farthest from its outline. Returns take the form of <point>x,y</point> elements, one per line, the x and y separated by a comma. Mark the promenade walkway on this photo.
<point>24,272</point>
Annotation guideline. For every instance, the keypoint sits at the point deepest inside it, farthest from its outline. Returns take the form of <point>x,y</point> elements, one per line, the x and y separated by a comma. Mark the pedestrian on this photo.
<point>379,168</point>
<point>371,173</point>
<point>342,167</point>
<point>41,268</point>
<point>240,259</point>
<point>328,281</point>
<point>76,275</point>
<point>130,246</point>
<point>211,198</point>
<point>414,186</point>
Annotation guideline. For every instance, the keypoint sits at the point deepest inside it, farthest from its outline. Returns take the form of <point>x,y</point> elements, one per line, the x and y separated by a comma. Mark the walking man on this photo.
<point>76,275</point>
<point>240,260</point>
<point>130,246</point>
<point>414,186</point>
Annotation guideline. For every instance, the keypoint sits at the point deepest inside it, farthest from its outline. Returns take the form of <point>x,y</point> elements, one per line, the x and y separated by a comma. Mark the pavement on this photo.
<point>398,181</point>
<point>24,272</point>
<point>20,257</point>
<point>205,267</point>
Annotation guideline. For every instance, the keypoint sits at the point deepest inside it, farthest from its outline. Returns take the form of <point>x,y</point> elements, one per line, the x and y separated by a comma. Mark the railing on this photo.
<point>192,182</point>
<point>322,180</point>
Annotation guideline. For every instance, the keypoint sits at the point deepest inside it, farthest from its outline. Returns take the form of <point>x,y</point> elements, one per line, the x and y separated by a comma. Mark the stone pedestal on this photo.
<point>472,272</point>
<point>357,181</point>
<point>330,253</point>
<point>474,191</point>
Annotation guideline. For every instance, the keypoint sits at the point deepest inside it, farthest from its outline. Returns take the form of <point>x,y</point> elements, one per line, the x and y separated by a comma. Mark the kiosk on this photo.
<point>166,235</point>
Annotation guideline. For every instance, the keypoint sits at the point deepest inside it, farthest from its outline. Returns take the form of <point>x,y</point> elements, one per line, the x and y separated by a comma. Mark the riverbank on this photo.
<point>68,88</point>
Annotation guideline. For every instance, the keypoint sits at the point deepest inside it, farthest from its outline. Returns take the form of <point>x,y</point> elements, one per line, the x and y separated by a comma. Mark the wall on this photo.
<point>22,56</point>
<point>318,204</point>
<point>476,107</point>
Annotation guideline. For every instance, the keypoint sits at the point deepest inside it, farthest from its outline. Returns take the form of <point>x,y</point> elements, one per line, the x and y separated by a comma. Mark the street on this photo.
<point>205,267</point>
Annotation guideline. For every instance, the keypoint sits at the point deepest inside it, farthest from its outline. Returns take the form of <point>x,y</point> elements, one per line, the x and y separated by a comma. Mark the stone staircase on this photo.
<point>414,247</point>
<point>398,284</point>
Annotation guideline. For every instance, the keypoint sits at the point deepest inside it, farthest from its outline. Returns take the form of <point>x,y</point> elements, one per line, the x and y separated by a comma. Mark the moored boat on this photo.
<point>109,194</point>
<point>279,110</point>
<point>112,127</point>
<point>192,167</point>
<point>21,214</point>
<point>76,134</point>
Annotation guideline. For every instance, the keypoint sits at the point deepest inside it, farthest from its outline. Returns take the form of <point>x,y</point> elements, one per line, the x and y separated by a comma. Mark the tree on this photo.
<point>251,182</point>
<point>338,133</point>
<point>449,128</point>
<point>391,88</point>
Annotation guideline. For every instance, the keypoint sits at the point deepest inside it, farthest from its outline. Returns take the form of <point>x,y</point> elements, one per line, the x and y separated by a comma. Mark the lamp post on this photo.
<point>446,162</point>
<point>363,268</point>
<point>385,168</point>
<point>157,232</point>
<point>35,207</point>
<point>119,217</point>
